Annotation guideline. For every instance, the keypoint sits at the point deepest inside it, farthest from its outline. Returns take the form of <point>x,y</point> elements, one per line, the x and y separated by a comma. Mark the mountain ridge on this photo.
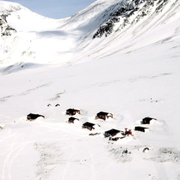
<point>123,21</point>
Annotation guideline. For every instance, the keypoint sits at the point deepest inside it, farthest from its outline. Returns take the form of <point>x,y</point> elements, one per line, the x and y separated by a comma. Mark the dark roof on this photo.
<point>72,118</point>
<point>102,113</point>
<point>147,120</point>
<point>140,128</point>
<point>88,124</point>
<point>112,132</point>
<point>33,116</point>
<point>72,109</point>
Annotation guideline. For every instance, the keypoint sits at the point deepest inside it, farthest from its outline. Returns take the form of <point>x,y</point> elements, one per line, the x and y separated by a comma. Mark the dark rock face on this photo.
<point>5,28</point>
<point>106,28</point>
<point>128,13</point>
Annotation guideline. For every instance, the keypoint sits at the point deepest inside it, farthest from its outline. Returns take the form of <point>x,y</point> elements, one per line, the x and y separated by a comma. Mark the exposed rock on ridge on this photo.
<point>5,28</point>
<point>128,13</point>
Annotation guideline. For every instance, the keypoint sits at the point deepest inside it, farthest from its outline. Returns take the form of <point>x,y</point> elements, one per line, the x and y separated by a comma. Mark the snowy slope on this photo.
<point>136,27</point>
<point>126,22</point>
<point>33,38</point>
<point>131,72</point>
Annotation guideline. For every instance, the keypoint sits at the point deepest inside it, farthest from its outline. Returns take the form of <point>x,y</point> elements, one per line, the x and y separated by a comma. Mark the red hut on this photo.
<point>89,126</point>
<point>72,112</point>
<point>111,133</point>
<point>72,119</point>
<point>104,115</point>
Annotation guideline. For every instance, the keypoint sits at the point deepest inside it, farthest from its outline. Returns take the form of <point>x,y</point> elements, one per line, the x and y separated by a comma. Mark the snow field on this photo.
<point>133,74</point>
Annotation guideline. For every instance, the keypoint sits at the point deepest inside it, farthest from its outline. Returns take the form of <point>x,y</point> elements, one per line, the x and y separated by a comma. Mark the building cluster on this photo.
<point>112,134</point>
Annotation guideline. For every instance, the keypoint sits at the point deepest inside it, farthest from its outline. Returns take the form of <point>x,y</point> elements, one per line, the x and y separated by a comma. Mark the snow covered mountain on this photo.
<point>115,56</point>
<point>126,22</point>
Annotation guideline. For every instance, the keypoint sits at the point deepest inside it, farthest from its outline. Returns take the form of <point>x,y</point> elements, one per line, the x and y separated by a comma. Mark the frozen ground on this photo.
<point>132,79</point>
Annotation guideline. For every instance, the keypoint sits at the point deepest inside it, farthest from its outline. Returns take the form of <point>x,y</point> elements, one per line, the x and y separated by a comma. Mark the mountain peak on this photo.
<point>84,35</point>
<point>10,7</point>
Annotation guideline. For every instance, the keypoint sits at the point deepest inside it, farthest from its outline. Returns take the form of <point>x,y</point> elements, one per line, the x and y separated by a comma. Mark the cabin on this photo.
<point>139,128</point>
<point>32,117</point>
<point>121,134</point>
<point>103,115</point>
<point>72,112</point>
<point>147,120</point>
<point>72,119</point>
<point>89,126</point>
<point>111,133</point>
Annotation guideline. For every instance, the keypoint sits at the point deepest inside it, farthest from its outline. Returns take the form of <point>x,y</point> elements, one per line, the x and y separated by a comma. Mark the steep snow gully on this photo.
<point>115,56</point>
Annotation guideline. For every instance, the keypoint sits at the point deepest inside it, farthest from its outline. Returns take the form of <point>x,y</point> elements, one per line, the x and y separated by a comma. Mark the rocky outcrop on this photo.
<point>5,28</point>
<point>128,13</point>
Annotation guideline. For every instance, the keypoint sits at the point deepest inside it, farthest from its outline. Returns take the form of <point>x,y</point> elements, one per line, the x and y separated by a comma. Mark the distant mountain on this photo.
<point>124,26</point>
<point>27,36</point>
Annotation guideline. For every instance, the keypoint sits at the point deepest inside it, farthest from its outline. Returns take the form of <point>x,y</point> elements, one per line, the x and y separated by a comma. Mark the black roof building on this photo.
<point>72,112</point>
<point>88,125</point>
<point>33,116</point>
<point>72,119</point>
<point>147,120</point>
<point>111,132</point>
<point>104,115</point>
<point>139,128</point>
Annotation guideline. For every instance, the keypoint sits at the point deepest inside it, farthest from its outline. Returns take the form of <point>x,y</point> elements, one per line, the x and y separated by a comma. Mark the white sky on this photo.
<point>55,8</point>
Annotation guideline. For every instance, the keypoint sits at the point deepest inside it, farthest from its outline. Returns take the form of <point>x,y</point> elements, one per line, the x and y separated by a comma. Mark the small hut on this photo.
<point>104,115</point>
<point>147,120</point>
<point>72,112</point>
<point>89,126</point>
<point>139,128</point>
<point>72,119</point>
<point>32,117</point>
<point>111,133</point>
